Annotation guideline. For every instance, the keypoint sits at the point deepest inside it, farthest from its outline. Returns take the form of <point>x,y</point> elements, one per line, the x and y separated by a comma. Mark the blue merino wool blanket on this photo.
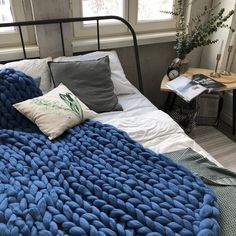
<point>96,180</point>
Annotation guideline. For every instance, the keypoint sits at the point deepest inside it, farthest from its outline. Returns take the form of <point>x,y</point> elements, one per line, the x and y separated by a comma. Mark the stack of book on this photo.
<point>190,87</point>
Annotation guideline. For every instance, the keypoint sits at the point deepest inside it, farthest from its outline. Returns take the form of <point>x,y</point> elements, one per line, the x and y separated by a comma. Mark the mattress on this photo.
<point>150,126</point>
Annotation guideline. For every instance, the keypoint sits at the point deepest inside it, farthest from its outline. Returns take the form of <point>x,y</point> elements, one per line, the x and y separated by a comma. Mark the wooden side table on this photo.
<point>228,81</point>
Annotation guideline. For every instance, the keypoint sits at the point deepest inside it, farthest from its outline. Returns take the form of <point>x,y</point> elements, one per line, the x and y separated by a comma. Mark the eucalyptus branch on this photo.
<point>199,31</point>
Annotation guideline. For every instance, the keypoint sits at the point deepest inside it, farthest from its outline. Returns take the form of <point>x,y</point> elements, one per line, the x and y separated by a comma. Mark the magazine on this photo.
<point>186,88</point>
<point>207,82</point>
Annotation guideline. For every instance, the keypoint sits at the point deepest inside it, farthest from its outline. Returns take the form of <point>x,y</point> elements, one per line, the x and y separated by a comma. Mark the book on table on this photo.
<point>186,88</point>
<point>190,87</point>
<point>207,82</point>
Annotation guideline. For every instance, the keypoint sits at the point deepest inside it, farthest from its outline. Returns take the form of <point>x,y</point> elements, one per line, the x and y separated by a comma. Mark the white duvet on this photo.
<point>151,127</point>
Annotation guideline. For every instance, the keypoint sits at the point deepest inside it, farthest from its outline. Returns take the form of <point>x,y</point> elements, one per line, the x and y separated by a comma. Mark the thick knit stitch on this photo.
<point>93,180</point>
<point>96,181</point>
<point>15,86</point>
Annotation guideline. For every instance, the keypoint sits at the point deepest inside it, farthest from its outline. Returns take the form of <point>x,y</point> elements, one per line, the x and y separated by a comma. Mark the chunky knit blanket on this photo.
<point>15,86</point>
<point>221,180</point>
<point>94,180</point>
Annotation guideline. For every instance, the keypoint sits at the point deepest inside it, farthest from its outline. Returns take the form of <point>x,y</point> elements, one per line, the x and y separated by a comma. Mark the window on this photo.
<point>102,7</point>
<point>148,15</point>
<point>152,10</point>
<point>5,15</point>
<point>84,8</point>
<point>2,2</point>
<point>144,15</point>
<point>13,10</point>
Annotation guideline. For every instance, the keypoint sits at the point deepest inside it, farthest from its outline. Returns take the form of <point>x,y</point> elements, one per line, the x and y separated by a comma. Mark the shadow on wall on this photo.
<point>154,59</point>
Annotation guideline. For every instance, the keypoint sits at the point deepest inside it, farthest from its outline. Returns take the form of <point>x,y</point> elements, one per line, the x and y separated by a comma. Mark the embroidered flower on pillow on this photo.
<point>73,103</point>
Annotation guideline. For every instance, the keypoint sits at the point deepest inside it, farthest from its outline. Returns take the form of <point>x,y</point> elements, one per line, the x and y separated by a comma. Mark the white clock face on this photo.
<point>173,74</point>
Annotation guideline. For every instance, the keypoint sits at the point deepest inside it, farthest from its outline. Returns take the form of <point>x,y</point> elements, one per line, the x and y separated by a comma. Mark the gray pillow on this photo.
<point>90,81</point>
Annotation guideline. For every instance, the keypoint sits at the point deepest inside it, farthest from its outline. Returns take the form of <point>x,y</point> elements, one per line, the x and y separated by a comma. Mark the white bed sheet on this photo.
<point>150,126</point>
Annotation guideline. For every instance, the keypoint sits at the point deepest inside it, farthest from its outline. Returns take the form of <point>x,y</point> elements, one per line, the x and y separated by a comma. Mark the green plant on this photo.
<point>198,31</point>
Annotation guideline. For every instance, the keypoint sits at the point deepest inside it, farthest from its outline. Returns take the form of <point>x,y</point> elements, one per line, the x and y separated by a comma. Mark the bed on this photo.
<point>131,196</point>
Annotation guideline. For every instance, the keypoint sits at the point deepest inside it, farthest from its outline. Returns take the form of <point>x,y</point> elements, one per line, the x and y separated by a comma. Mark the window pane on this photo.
<point>150,10</point>
<point>5,15</point>
<point>102,8</point>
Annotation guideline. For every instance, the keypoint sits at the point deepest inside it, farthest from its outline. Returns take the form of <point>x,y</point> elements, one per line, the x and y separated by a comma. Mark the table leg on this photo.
<point>169,101</point>
<point>173,101</point>
<point>219,110</point>
<point>234,111</point>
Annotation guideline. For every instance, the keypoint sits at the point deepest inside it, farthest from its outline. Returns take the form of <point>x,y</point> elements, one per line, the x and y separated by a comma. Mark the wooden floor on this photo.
<point>221,147</point>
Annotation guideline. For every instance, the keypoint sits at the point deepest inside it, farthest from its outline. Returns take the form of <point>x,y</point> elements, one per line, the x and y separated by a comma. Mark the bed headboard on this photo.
<point>61,21</point>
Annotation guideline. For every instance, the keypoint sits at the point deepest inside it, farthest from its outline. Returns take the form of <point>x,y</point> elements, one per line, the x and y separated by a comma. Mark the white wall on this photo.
<point>228,97</point>
<point>196,9</point>
<point>233,56</point>
<point>208,58</point>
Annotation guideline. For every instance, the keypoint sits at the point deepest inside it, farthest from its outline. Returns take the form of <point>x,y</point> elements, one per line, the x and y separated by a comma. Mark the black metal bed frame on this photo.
<point>61,21</point>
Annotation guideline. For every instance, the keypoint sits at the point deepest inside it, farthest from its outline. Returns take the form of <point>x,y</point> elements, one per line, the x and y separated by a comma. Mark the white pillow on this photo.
<point>56,111</point>
<point>34,68</point>
<point>121,83</point>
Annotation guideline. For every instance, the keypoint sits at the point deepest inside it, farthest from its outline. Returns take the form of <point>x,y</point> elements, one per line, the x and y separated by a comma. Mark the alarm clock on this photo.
<point>173,70</point>
<point>173,73</point>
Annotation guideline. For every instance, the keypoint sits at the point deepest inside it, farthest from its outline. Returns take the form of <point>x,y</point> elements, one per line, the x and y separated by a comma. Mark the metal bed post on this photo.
<point>22,41</point>
<point>98,35</point>
<point>62,39</point>
<point>135,50</point>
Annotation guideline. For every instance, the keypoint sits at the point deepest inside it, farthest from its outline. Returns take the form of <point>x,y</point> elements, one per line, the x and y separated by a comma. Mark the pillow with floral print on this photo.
<point>56,111</point>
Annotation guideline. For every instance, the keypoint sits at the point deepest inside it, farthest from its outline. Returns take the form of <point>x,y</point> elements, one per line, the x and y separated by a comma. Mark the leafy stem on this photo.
<point>198,31</point>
